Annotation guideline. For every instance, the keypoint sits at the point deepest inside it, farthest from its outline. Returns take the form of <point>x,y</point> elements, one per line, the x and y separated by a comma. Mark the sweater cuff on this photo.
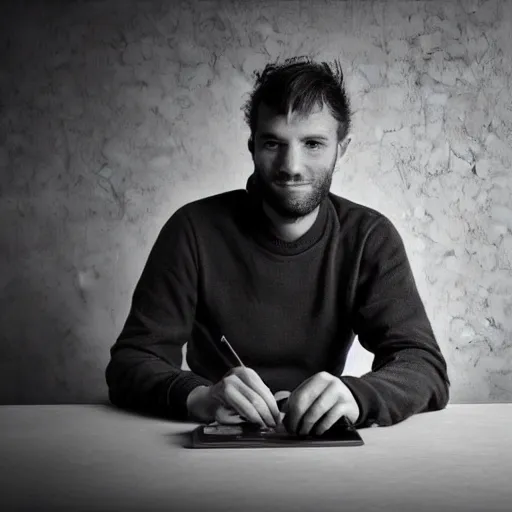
<point>364,396</point>
<point>178,391</point>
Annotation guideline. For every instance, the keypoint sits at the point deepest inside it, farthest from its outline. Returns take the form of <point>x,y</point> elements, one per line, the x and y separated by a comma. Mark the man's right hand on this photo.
<point>240,390</point>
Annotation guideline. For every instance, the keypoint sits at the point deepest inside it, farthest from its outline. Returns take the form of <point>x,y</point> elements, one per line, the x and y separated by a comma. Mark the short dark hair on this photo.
<point>298,85</point>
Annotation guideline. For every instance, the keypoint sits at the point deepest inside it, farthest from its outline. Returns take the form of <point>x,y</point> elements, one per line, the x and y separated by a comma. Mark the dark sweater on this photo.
<point>289,309</point>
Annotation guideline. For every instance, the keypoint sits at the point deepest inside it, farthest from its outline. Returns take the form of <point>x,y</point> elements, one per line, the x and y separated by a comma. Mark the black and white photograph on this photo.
<point>256,255</point>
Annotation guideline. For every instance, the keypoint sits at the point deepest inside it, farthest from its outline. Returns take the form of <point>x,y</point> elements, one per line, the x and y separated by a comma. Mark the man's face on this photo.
<point>294,159</point>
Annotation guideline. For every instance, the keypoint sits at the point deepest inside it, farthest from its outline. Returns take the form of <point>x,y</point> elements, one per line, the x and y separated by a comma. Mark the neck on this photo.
<point>290,230</point>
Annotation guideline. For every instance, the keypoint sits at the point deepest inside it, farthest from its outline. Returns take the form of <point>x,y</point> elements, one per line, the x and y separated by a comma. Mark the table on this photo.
<point>96,457</point>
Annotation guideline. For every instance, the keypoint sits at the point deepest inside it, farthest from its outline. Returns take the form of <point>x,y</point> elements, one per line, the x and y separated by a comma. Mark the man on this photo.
<point>289,273</point>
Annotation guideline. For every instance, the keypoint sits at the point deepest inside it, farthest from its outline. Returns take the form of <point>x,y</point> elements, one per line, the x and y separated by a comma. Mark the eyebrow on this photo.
<point>270,135</point>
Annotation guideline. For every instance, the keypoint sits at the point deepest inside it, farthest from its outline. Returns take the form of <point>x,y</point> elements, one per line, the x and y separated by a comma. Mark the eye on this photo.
<point>270,144</point>
<point>313,144</point>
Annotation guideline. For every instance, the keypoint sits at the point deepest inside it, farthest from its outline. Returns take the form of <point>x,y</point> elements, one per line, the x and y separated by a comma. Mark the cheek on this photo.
<point>264,161</point>
<point>325,162</point>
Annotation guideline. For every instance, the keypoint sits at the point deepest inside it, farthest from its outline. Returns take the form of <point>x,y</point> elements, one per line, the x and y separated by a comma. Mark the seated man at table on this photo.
<point>289,273</point>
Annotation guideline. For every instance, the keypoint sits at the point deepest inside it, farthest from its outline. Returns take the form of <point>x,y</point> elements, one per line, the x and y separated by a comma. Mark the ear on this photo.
<point>343,145</point>
<point>250,146</point>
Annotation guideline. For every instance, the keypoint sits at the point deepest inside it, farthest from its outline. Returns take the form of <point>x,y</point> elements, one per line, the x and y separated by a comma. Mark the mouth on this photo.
<point>287,184</point>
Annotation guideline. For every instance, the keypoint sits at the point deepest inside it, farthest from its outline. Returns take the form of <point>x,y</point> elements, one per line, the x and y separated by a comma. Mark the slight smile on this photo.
<point>288,184</point>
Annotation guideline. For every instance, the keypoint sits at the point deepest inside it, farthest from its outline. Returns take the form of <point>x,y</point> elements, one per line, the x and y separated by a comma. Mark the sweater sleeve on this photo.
<point>144,372</point>
<point>409,373</point>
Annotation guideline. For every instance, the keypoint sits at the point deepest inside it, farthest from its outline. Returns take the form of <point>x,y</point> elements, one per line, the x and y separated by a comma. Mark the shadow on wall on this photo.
<point>56,328</point>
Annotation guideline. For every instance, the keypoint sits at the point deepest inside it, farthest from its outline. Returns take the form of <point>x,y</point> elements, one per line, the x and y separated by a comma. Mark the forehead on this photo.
<point>318,121</point>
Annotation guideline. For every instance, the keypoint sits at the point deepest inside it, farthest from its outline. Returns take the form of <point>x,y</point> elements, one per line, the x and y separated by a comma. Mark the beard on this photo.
<point>291,206</point>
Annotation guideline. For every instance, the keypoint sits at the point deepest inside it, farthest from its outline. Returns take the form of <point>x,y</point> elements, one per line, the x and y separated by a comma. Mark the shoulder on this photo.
<point>365,226</point>
<point>374,233</point>
<point>204,216</point>
<point>346,208</point>
<point>356,215</point>
<point>212,209</point>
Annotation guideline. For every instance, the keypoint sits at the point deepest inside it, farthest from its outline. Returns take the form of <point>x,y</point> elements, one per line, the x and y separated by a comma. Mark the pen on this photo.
<point>236,356</point>
<point>232,350</point>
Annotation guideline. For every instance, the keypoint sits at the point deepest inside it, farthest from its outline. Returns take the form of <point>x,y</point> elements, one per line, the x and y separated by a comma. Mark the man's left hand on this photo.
<point>318,403</point>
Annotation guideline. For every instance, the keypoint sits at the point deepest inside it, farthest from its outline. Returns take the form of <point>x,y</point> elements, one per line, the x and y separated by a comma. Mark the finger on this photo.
<point>329,419</point>
<point>300,401</point>
<point>283,406</point>
<point>228,416</point>
<point>259,404</point>
<point>253,380</point>
<point>282,395</point>
<point>231,391</point>
<point>323,403</point>
<point>282,403</point>
<point>238,401</point>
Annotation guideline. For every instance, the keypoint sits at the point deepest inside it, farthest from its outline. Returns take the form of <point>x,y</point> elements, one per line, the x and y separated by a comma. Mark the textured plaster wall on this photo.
<point>114,114</point>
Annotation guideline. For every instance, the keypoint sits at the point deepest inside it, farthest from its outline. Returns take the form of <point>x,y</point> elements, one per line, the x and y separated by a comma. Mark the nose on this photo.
<point>290,160</point>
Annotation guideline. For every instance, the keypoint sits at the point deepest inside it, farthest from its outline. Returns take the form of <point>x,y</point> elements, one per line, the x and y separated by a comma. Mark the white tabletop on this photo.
<point>93,457</point>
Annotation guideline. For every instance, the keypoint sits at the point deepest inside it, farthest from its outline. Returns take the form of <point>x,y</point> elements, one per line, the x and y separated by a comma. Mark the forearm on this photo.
<point>413,381</point>
<point>141,381</point>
